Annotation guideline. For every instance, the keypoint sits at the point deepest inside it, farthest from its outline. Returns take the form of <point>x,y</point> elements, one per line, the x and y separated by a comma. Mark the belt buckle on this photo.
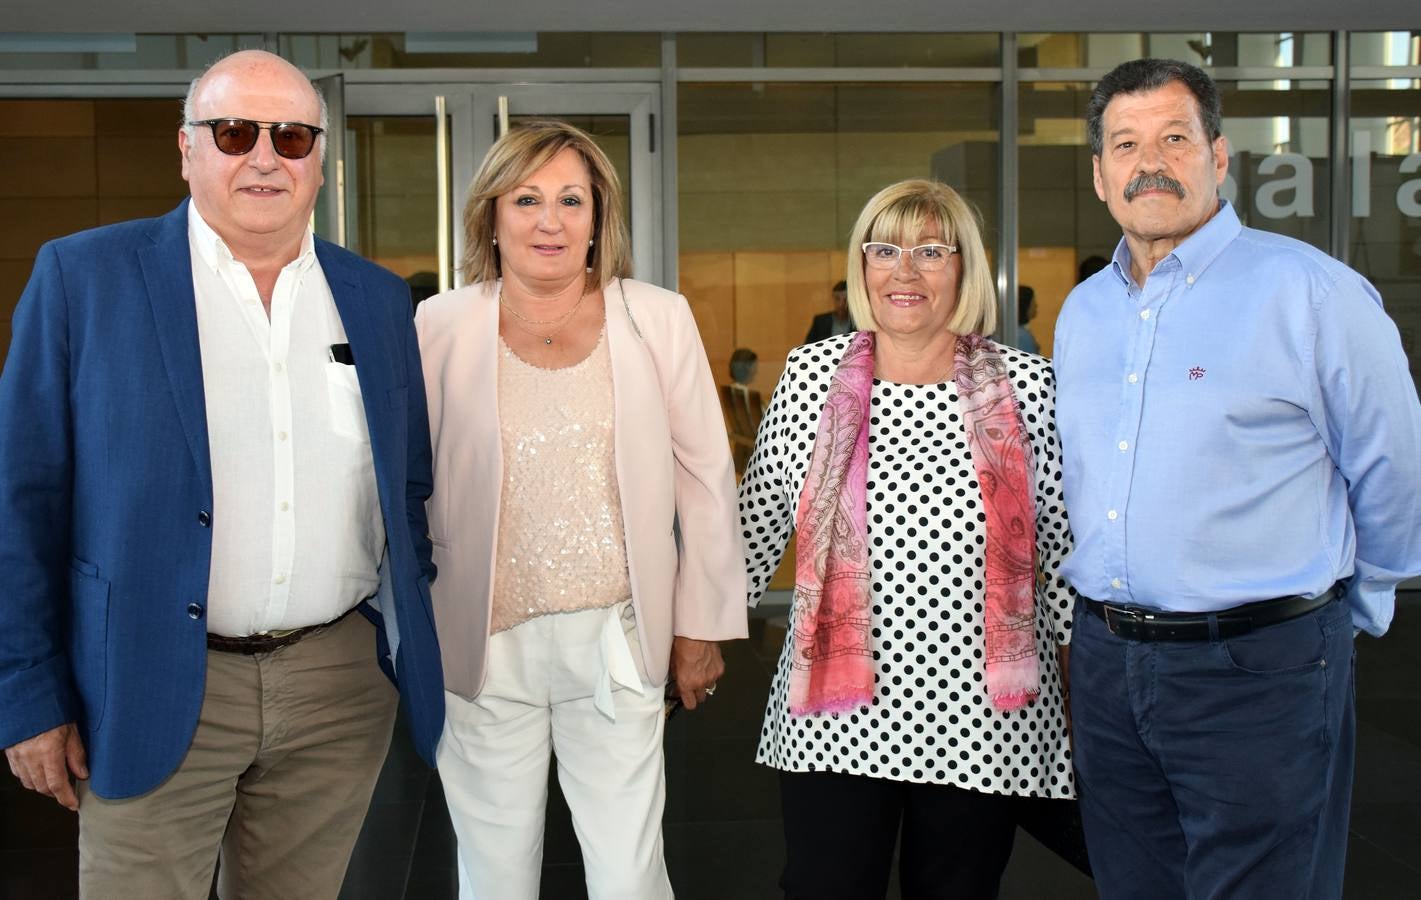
<point>1125,613</point>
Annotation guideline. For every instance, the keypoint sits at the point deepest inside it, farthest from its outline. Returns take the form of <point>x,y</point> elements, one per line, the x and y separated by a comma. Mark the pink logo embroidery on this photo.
<point>1196,373</point>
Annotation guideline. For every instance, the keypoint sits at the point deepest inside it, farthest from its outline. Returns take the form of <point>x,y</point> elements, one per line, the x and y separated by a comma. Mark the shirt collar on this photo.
<point>1198,250</point>
<point>215,253</point>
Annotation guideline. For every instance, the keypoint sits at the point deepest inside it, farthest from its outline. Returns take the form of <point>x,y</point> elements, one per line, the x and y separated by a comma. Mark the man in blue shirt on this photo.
<point>1242,449</point>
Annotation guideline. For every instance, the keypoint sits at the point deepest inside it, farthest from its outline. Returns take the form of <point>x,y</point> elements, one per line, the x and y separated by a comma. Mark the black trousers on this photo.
<point>840,831</point>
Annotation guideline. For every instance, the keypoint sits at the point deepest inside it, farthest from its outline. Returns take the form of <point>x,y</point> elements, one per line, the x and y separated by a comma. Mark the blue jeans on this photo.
<point>1216,768</point>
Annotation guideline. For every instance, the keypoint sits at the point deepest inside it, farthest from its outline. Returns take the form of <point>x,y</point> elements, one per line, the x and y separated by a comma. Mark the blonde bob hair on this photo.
<point>522,151</point>
<point>901,212</point>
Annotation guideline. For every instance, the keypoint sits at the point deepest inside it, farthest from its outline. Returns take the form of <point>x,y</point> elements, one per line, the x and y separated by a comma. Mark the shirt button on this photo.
<point>1133,378</point>
<point>1144,313</point>
<point>277,368</point>
<point>194,611</point>
<point>1123,445</point>
<point>285,506</point>
<point>281,435</point>
<point>1112,516</point>
<point>280,579</point>
<point>204,518</point>
<point>1189,280</point>
<point>1115,582</point>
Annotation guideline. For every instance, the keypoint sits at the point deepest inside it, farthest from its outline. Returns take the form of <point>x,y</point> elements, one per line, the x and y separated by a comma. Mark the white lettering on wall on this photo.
<point>1408,196</point>
<point>1299,185</point>
<point>1291,194</point>
<point>1229,189</point>
<point>1361,174</point>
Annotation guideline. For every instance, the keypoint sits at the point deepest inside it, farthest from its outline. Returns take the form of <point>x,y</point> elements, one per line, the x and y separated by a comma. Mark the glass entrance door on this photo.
<point>407,146</point>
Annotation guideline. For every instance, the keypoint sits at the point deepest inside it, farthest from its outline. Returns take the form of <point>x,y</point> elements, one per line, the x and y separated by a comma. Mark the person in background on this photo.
<point>584,514</point>
<point>1243,471</point>
<point>1089,266</point>
<point>743,365</point>
<point>920,687</point>
<point>834,322</point>
<point>214,459</point>
<point>1025,311</point>
<point>423,285</point>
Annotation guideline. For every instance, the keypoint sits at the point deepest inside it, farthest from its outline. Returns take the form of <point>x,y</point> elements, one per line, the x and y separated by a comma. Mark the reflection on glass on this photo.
<point>152,51</point>
<point>1203,48</point>
<point>809,50</point>
<point>72,164</point>
<point>391,211</point>
<point>1385,235</point>
<point>772,177</point>
<point>543,50</point>
<point>1386,48</point>
<point>549,50</point>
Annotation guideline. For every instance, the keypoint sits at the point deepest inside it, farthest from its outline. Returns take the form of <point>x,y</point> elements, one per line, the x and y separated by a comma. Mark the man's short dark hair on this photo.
<point>1025,296</point>
<point>841,286</point>
<point>742,365</point>
<point>1142,75</point>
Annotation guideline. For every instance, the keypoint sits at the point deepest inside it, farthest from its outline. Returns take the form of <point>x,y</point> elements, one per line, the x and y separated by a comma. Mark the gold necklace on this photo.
<point>557,323</point>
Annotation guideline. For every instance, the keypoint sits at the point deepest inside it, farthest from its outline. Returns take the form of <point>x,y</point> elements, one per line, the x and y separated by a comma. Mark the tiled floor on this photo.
<point>723,836</point>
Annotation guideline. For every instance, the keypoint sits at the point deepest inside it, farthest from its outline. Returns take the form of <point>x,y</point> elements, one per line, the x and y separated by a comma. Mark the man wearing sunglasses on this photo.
<point>214,460</point>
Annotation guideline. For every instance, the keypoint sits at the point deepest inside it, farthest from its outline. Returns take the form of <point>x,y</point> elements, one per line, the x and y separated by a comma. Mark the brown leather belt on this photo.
<point>1138,624</point>
<point>267,641</point>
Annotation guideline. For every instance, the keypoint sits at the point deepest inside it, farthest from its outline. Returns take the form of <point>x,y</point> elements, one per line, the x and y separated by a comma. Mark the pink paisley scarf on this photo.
<point>832,666</point>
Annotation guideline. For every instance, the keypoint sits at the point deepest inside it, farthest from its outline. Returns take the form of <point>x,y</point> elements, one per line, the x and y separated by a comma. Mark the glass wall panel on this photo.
<point>392,214</point>
<point>540,50</point>
<point>1278,178</point>
<point>552,50</point>
<point>1203,48</point>
<point>150,51</point>
<point>75,164</point>
<point>808,50</point>
<point>1385,234</point>
<point>772,177</point>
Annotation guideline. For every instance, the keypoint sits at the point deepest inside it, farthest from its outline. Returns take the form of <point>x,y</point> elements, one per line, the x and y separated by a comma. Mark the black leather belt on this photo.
<point>267,641</point>
<point>1137,624</point>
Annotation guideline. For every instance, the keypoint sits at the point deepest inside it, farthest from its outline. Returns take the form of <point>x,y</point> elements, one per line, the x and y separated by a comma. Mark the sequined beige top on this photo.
<point>560,540</point>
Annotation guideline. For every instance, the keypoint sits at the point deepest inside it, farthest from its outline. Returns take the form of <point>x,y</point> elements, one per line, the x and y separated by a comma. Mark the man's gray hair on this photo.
<point>188,113</point>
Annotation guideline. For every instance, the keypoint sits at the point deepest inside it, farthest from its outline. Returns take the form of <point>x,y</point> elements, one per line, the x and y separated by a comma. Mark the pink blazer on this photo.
<point>672,461</point>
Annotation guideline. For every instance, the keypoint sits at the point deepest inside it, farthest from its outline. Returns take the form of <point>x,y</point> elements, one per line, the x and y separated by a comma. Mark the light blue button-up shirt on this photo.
<point>1243,427</point>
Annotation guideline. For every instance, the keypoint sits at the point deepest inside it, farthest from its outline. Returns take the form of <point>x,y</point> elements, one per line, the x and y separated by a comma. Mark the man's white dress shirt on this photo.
<point>297,535</point>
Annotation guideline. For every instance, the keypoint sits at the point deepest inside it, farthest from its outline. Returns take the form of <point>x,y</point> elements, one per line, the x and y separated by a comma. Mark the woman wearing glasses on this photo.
<point>920,686</point>
<point>583,520</point>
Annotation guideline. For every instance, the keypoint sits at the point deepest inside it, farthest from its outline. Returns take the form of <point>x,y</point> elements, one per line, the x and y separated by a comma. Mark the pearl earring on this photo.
<point>495,242</point>
<point>589,242</point>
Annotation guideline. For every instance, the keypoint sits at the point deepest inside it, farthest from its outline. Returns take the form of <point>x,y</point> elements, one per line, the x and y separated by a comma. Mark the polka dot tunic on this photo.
<point>931,721</point>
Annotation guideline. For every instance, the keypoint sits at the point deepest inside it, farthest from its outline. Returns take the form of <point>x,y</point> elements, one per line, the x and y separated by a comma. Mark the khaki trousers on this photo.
<point>278,779</point>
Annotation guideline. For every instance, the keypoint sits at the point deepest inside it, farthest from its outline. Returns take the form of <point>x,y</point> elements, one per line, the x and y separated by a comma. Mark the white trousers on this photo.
<point>569,684</point>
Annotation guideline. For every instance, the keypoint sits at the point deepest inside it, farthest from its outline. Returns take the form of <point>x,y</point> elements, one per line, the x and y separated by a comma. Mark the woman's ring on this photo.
<point>710,690</point>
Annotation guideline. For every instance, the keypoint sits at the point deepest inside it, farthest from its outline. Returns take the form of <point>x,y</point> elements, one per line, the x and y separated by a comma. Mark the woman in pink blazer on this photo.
<point>584,521</point>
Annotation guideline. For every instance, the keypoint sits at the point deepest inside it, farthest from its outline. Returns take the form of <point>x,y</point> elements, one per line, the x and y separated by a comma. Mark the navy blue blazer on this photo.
<point>106,497</point>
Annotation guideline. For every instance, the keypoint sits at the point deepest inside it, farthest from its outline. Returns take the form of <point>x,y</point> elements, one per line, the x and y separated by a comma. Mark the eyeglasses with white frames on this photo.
<point>925,257</point>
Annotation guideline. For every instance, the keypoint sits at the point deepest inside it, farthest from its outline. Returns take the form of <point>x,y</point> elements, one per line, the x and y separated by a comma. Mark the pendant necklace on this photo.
<point>557,323</point>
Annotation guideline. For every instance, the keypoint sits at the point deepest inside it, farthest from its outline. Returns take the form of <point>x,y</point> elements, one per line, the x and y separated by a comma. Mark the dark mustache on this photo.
<point>1152,181</point>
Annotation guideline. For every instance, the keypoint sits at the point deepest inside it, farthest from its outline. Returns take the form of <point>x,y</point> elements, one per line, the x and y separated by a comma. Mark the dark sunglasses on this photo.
<point>237,137</point>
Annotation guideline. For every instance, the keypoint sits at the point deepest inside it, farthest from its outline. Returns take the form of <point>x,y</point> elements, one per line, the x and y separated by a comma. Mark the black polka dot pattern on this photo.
<point>931,721</point>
